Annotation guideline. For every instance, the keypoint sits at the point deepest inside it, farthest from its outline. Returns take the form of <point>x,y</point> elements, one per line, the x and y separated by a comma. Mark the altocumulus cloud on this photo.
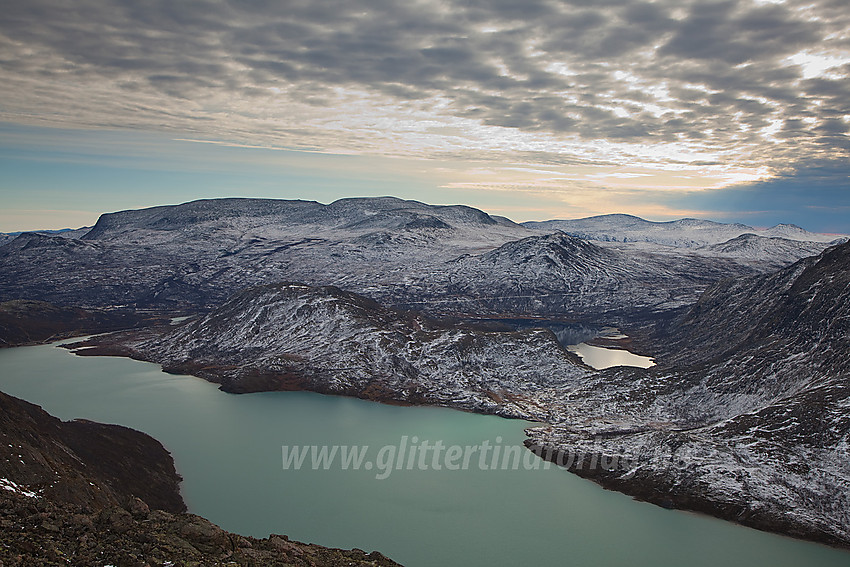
<point>761,84</point>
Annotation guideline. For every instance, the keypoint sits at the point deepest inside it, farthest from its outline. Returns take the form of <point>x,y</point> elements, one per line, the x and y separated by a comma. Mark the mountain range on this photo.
<point>745,416</point>
<point>438,259</point>
<point>682,233</point>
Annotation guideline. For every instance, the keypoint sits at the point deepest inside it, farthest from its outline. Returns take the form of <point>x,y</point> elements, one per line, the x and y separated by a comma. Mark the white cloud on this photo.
<point>820,64</point>
<point>668,85</point>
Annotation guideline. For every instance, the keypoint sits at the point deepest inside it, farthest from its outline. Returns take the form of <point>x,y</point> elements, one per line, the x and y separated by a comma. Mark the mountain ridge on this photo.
<point>196,255</point>
<point>685,232</point>
<point>744,414</point>
<point>752,424</point>
<point>270,206</point>
<point>291,336</point>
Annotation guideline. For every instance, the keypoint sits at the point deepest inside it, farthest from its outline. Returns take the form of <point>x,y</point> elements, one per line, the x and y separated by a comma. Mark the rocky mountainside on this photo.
<point>557,275</point>
<point>293,336</point>
<point>194,256</point>
<point>84,493</point>
<point>682,233</point>
<point>747,416</point>
<point>81,462</point>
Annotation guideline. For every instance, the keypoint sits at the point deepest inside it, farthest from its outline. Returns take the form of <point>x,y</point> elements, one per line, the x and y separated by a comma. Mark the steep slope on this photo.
<point>83,463</point>
<point>752,423</point>
<point>292,336</point>
<point>799,305</point>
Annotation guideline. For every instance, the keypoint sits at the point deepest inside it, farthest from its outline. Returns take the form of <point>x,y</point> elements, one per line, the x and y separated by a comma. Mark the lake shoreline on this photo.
<point>556,482</point>
<point>663,493</point>
<point>654,491</point>
<point>117,501</point>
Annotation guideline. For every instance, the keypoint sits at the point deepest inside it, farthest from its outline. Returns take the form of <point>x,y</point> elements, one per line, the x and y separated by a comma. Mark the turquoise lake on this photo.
<point>229,449</point>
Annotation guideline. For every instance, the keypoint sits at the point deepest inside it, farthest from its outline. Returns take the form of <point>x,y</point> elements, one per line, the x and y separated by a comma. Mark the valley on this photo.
<point>743,416</point>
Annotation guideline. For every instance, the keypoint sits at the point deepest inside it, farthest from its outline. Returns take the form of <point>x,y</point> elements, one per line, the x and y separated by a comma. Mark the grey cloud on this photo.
<point>650,17</point>
<point>833,126</point>
<point>723,31</point>
<point>538,66</point>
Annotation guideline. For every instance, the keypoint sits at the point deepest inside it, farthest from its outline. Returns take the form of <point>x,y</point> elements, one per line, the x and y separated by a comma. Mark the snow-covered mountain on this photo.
<point>277,218</point>
<point>291,336</point>
<point>747,415</point>
<point>772,253</point>
<point>682,233</point>
<point>198,254</point>
<point>432,258</point>
<point>562,276</point>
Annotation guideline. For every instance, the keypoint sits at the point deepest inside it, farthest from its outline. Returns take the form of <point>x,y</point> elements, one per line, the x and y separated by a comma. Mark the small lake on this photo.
<point>229,450</point>
<point>574,337</point>
<point>600,358</point>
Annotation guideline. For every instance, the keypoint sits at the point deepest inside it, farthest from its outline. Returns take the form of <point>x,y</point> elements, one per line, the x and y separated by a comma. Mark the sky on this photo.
<point>732,110</point>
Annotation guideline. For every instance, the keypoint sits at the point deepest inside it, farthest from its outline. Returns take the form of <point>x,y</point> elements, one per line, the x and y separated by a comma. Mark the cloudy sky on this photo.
<point>731,110</point>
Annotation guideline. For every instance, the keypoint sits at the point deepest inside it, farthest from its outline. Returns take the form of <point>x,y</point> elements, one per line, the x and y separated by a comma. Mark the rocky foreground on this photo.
<point>84,493</point>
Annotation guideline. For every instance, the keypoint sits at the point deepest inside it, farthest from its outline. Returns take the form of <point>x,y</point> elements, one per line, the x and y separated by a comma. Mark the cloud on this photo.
<point>815,196</point>
<point>667,83</point>
<point>725,31</point>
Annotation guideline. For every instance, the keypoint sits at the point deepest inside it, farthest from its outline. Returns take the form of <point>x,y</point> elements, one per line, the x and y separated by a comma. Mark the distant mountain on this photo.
<point>198,254</point>
<point>296,337</point>
<point>63,232</point>
<point>747,415</point>
<point>557,274</point>
<point>771,252</point>
<point>274,216</point>
<point>682,233</point>
<point>433,258</point>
